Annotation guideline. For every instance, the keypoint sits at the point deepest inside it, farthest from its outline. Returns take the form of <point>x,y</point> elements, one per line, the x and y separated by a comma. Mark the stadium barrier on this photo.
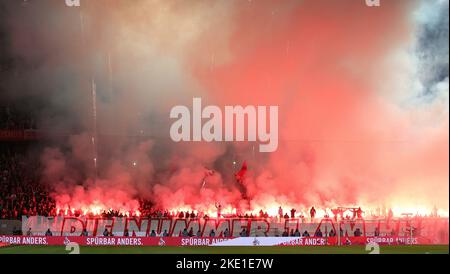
<point>8,227</point>
<point>206,241</point>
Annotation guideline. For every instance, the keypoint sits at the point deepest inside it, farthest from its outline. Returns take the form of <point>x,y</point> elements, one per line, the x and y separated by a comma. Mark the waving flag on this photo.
<point>240,176</point>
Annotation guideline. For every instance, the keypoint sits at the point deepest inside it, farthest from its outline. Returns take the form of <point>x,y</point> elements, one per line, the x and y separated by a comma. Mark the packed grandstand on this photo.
<point>23,197</point>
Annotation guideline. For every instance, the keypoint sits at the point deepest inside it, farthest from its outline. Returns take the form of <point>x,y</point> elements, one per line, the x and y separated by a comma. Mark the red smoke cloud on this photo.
<point>344,140</point>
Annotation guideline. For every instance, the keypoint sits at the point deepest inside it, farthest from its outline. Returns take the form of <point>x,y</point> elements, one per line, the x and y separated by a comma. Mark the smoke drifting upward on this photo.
<point>362,95</point>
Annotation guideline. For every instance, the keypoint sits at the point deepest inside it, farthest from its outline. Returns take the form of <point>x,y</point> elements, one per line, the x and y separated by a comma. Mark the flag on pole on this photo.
<point>208,172</point>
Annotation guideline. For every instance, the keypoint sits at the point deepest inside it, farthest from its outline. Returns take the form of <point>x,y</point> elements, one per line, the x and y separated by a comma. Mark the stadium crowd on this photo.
<point>14,119</point>
<point>21,194</point>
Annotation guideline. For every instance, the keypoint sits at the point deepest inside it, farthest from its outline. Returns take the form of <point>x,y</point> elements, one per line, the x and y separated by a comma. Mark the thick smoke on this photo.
<point>362,93</point>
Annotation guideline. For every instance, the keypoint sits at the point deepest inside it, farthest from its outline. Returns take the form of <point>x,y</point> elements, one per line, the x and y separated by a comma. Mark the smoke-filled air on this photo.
<point>362,95</point>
